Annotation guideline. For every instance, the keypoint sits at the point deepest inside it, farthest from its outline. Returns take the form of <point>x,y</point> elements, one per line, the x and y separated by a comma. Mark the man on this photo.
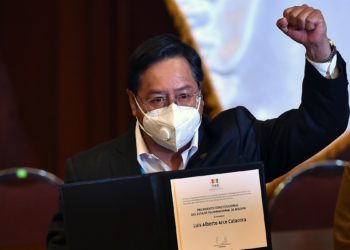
<point>164,90</point>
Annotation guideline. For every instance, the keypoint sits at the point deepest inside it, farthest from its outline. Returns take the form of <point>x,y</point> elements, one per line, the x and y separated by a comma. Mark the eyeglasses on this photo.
<point>183,99</point>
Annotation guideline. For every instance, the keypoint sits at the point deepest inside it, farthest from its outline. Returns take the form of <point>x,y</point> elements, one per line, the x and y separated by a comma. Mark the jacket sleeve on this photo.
<point>298,134</point>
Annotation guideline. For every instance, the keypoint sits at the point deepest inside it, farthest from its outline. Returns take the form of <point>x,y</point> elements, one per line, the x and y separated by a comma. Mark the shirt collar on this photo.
<point>141,147</point>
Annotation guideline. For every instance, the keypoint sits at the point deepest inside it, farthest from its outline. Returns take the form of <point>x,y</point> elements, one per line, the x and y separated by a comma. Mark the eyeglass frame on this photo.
<point>149,106</point>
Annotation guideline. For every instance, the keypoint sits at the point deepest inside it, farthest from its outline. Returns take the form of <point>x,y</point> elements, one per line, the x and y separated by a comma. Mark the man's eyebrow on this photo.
<point>186,87</point>
<point>161,92</point>
<point>155,92</point>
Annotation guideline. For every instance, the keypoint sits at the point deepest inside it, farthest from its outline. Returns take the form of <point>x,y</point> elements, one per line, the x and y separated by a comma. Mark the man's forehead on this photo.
<point>170,75</point>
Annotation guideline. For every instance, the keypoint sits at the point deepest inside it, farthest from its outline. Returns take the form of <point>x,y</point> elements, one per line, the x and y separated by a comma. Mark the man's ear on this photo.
<point>132,103</point>
<point>201,106</point>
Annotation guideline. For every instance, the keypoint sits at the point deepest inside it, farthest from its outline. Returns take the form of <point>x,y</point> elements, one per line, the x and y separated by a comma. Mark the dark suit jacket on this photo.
<point>235,136</point>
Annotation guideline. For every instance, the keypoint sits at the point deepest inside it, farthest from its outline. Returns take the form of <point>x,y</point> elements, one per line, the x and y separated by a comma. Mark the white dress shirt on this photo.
<point>150,163</point>
<point>328,69</point>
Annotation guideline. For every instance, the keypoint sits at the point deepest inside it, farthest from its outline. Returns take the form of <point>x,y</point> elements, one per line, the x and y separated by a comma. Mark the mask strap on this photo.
<point>198,105</point>
<point>138,105</point>
<point>199,99</point>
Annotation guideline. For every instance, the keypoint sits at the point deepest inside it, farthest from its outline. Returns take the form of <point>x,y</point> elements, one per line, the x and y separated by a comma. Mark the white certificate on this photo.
<point>220,211</point>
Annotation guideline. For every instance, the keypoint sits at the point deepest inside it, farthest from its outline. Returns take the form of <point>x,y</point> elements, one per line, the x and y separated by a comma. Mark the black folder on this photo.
<point>133,212</point>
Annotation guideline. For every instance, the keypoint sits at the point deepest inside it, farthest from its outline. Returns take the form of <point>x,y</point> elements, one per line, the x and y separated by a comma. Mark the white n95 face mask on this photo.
<point>171,127</point>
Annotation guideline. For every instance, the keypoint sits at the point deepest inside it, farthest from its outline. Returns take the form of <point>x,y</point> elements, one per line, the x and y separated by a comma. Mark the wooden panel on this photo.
<point>28,44</point>
<point>73,79</point>
<point>67,65</point>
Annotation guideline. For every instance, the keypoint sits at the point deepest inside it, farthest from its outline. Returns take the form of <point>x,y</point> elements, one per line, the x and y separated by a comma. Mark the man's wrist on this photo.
<point>333,51</point>
<point>332,54</point>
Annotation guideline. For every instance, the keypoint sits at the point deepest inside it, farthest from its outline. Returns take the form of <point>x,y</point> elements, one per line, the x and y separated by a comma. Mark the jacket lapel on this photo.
<point>126,149</point>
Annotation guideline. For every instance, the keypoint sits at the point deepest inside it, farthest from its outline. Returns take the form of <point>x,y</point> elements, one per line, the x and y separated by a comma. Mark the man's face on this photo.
<point>168,79</point>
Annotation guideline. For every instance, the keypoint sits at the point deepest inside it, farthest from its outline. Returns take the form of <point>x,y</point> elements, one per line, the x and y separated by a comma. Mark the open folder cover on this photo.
<point>220,207</point>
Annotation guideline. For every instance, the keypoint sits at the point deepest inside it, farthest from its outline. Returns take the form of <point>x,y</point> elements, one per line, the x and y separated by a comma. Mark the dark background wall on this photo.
<point>63,66</point>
